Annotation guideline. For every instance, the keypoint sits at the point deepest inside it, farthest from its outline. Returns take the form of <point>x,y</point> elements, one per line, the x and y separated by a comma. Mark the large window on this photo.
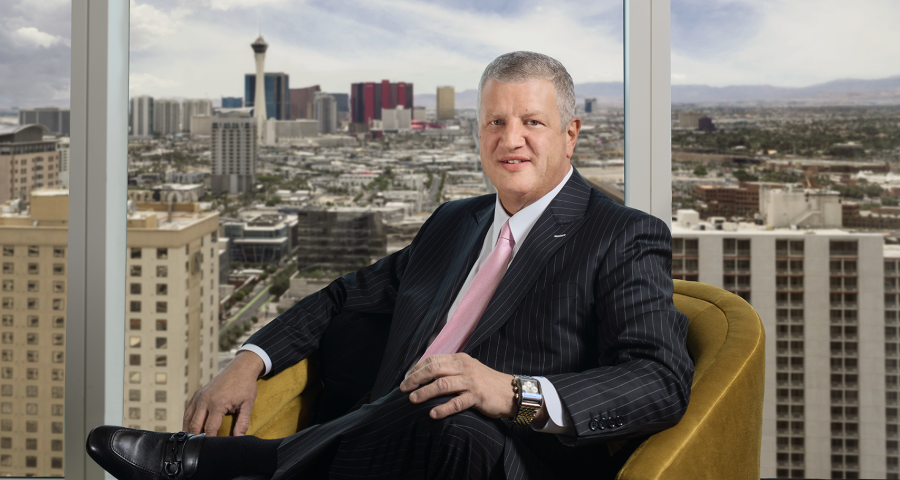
<point>785,133</point>
<point>363,136</point>
<point>34,176</point>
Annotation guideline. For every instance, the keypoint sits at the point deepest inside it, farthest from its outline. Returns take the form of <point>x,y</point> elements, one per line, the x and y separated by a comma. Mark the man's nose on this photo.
<point>513,136</point>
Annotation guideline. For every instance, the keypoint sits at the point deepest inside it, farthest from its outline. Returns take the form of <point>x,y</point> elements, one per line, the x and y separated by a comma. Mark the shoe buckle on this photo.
<point>169,471</point>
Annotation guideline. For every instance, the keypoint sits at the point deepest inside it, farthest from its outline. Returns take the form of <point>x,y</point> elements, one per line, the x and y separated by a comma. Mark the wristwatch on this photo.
<point>528,397</point>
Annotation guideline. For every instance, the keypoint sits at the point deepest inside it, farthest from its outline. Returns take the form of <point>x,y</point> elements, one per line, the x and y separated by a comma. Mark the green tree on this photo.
<point>700,171</point>
<point>889,201</point>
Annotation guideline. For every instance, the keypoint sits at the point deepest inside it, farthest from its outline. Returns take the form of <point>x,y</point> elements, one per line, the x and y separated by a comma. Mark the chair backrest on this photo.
<point>720,435</point>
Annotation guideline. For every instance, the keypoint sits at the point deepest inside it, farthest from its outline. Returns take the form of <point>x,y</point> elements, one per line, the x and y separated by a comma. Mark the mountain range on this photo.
<point>884,91</point>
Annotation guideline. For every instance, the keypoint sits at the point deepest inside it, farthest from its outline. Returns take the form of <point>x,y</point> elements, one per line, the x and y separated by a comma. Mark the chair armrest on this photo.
<point>283,403</point>
<point>721,432</point>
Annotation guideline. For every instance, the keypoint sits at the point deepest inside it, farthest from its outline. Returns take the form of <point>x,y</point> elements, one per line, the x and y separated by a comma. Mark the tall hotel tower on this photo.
<point>259,53</point>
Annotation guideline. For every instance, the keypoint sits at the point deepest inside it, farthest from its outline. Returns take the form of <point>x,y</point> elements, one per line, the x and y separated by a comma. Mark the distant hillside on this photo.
<point>885,91</point>
<point>847,91</point>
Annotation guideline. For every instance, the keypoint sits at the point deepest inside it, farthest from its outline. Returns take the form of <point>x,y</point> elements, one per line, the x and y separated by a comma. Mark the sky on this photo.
<point>201,48</point>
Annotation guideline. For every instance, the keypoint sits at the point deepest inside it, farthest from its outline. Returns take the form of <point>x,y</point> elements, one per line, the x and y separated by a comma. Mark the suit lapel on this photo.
<point>554,227</point>
<point>464,256</point>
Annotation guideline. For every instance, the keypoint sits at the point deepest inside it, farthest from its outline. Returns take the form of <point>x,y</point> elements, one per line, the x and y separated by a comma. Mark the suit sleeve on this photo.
<point>295,334</point>
<point>643,383</point>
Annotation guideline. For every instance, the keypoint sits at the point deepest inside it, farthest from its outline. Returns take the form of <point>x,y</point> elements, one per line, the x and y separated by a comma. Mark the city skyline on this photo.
<point>788,44</point>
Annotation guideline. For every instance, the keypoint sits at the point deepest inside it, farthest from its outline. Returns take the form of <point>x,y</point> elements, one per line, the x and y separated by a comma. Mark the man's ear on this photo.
<point>572,135</point>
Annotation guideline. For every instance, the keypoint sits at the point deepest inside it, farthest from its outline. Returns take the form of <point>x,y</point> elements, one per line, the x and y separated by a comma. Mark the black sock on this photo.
<point>230,457</point>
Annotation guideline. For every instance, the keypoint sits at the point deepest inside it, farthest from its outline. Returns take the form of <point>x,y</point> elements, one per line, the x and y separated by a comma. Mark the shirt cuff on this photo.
<point>558,419</point>
<point>265,358</point>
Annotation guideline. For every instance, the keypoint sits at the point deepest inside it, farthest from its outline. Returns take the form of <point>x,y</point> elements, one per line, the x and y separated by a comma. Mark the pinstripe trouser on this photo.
<point>394,438</point>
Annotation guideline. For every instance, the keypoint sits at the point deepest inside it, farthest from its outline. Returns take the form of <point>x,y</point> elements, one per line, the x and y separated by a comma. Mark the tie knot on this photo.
<point>506,234</point>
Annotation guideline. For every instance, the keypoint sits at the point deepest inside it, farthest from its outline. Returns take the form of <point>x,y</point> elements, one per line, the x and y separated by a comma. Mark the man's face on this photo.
<point>523,151</point>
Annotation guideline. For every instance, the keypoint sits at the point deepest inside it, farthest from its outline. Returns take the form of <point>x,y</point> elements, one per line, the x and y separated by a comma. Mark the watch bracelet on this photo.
<point>524,413</point>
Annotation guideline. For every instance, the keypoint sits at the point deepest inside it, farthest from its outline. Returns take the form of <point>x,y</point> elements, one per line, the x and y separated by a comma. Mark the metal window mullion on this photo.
<point>648,155</point>
<point>97,195</point>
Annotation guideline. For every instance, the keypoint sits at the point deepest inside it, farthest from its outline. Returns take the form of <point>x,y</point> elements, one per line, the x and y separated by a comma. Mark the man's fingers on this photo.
<point>433,367</point>
<point>188,415</point>
<point>242,422</point>
<point>455,405</point>
<point>195,425</point>
<point>213,422</point>
<point>441,386</point>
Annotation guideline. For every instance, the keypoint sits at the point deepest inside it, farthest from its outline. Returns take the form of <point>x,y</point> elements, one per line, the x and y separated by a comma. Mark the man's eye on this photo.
<point>494,122</point>
<point>533,122</point>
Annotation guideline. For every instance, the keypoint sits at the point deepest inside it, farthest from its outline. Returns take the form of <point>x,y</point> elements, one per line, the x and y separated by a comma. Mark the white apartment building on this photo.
<point>171,304</point>
<point>166,117</point>
<point>396,119</point>
<point>142,117</point>
<point>823,299</point>
<point>171,339</point>
<point>325,111</point>
<point>191,108</point>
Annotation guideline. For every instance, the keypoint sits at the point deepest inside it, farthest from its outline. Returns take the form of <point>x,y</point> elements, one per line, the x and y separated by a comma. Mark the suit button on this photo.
<point>602,424</point>
<point>619,419</point>
<point>593,425</point>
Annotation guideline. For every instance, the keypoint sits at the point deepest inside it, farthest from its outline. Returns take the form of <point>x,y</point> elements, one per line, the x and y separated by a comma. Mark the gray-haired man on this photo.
<point>546,304</point>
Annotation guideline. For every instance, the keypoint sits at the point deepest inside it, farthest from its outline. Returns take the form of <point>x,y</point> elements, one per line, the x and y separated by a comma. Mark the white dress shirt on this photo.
<point>520,224</point>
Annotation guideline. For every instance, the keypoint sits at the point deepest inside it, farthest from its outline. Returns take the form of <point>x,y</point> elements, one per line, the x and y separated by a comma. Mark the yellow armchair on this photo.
<point>718,437</point>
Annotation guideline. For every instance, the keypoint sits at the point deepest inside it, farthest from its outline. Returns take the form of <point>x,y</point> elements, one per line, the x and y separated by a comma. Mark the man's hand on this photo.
<point>232,390</point>
<point>477,386</point>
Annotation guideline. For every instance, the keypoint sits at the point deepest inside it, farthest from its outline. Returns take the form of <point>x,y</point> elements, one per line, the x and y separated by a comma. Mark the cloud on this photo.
<point>150,26</point>
<point>244,4</point>
<point>148,84</point>
<point>786,42</point>
<point>35,37</point>
<point>334,44</point>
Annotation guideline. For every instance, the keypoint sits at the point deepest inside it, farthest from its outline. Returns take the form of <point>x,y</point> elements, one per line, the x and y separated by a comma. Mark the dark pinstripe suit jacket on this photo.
<point>586,302</point>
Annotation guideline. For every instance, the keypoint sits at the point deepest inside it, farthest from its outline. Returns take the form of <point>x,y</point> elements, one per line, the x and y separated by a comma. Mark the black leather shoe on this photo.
<point>140,455</point>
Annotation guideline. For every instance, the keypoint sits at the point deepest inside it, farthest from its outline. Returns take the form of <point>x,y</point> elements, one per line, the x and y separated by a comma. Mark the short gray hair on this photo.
<point>519,67</point>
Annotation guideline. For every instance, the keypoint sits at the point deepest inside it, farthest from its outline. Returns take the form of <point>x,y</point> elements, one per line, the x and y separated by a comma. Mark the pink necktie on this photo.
<point>456,332</point>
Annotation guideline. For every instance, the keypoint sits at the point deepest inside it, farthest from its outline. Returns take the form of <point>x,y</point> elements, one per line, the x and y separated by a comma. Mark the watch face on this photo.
<point>529,386</point>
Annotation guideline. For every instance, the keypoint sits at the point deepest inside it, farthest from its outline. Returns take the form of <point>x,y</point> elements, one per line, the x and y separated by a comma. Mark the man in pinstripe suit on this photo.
<point>585,307</point>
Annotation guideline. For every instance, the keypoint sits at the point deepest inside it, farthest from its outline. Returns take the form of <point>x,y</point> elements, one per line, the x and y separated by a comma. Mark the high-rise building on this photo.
<point>590,105</point>
<point>62,146</point>
<point>446,103</point>
<point>302,102</point>
<point>827,300</point>
<point>326,113</point>
<point>33,310</point>
<point>396,119</point>
<point>172,302</point>
<point>343,106</point>
<point>341,237</point>
<point>262,239</point>
<point>142,116</point>
<point>689,120</point>
<point>166,117</point>
<point>192,108</point>
<point>367,99</point>
<point>55,119</point>
<point>172,332</point>
<point>27,161</point>
<point>234,152</point>
<point>276,91</point>
<point>232,102</point>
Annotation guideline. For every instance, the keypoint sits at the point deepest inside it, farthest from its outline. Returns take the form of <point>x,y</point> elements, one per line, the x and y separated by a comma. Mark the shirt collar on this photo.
<point>520,223</point>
